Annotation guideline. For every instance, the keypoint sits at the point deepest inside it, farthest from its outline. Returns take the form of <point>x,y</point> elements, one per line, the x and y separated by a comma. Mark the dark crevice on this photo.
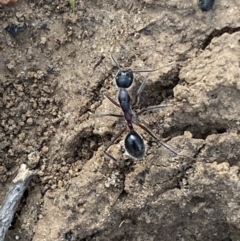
<point>227,239</point>
<point>89,237</point>
<point>96,96</point>
<point>205,131</point>
<point>199,151</point>
<point>82,146</point>
<point>232,161</point>
<point>218,33</point>
<point>81,143</point>
<point>198,132</point>
<point>128,166</point>
<point>155,93</point>
<point>123,195</point>
<point>195,200</point>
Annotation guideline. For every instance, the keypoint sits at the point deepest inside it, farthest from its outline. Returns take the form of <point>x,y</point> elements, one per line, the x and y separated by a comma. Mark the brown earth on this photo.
<point>50,95</point>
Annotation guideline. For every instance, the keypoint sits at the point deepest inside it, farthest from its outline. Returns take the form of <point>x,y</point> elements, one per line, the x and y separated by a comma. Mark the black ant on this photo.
<point>133,143</point>
<point>206,5</point>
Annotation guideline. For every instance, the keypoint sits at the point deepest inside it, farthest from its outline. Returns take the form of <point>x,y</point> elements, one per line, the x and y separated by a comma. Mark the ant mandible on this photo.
<point>133,142</point>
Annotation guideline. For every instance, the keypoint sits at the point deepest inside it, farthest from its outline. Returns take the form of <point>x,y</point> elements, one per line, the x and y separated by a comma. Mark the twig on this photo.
<point>99,62</point>
<point>13,197</point>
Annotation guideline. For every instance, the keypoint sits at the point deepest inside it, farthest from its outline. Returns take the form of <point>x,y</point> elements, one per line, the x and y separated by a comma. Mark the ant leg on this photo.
<point>140,90</point>
<point>153,70</point>
<point>161,142</point>
<point>152,108</point>
<point>108,114</point>
<point>112,100</point>
<point>112,141</point>
<point>115,61</point>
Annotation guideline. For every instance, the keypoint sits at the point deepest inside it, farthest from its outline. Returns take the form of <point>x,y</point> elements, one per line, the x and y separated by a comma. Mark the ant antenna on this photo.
<point>142,70</point>
<point>115,61</point>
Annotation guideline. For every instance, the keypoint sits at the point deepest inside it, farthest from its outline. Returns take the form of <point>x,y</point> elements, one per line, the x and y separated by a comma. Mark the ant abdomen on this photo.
<point>134,145</point>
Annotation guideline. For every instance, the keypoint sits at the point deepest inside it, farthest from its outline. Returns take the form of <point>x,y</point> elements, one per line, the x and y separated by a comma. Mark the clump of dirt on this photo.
<point>52,91</point>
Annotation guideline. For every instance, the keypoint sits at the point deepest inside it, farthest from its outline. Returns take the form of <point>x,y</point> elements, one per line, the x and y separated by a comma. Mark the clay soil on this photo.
<point>51,96</point>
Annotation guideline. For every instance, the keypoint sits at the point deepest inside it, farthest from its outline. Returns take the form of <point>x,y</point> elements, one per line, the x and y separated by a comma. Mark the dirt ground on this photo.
<point>51,96</point>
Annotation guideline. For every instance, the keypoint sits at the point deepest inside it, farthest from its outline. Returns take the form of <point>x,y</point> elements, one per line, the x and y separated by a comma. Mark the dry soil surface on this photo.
<point>51,96</point>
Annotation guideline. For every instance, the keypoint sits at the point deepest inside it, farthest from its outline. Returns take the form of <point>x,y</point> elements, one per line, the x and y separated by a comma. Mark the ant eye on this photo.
<point>129,74</point>
<point>124,79</point>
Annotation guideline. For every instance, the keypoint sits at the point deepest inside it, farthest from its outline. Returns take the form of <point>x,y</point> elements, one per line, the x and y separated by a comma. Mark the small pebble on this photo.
<point>3,170</point>
<point>30,121</point>
<point>45,149</point>
<point>33,158</point>
<point>64,169</point>
<point>43,40</point>
<point>60,183</point>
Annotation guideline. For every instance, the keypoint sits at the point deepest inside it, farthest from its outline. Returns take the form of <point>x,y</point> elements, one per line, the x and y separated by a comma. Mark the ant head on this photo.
<point>124,78</point>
